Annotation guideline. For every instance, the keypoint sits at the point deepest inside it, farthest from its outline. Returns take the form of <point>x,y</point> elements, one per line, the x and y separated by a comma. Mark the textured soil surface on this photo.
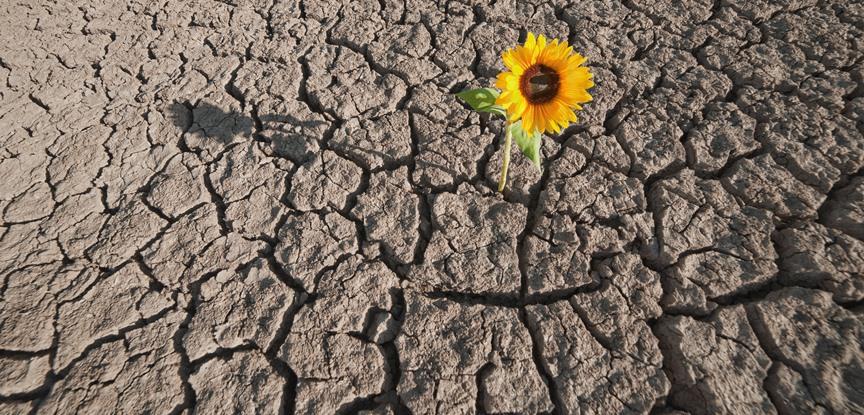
<point>222,206</point>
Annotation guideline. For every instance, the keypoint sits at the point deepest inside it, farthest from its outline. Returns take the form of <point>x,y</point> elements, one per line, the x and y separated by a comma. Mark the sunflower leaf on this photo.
<point>529,144</point>
<point>482,100</point>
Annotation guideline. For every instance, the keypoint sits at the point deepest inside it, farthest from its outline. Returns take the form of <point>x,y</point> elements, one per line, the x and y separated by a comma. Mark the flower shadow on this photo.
<point>210,128</point>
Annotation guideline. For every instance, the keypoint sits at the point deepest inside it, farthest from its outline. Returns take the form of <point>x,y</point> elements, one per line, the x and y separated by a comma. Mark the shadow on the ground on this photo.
<point>209,125</point>
<point>210,121</point>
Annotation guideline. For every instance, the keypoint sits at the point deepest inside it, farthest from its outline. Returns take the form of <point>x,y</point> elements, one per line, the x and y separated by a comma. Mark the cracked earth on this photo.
<point>221,206</point>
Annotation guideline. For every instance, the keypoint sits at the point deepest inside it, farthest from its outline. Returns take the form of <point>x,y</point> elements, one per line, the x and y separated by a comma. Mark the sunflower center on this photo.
<point>539,84</point>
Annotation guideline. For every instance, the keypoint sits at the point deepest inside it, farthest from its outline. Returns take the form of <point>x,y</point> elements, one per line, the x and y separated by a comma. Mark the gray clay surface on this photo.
<point>264,206</point>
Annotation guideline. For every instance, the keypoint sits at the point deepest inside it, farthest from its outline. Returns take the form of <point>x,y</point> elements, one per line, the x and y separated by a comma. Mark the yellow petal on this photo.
<point>576,60</point>
<point>528,119</point>
<point>530,41</point>
<point>540,119</point>
<point>507,80</point>
<point>561,119</point>
<point>501,81</point>
<point>513,62</point>
<point>503,99</point>
<point>518,109</point>
<point>541,42</point>
<point>541,46</point>
<point>526,57</point>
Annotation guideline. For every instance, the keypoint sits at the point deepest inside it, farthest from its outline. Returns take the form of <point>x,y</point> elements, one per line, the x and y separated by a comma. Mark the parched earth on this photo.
<point>224,206</point>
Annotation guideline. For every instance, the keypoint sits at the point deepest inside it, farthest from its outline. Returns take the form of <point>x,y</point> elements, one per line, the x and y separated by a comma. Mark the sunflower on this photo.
<point>544,85</point>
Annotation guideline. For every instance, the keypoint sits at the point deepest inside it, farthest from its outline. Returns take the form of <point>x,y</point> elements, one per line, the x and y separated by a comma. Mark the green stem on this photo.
<point>508,142</point>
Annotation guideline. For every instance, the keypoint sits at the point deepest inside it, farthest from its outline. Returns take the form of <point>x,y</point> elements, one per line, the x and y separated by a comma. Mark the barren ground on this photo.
<point>261,206</point>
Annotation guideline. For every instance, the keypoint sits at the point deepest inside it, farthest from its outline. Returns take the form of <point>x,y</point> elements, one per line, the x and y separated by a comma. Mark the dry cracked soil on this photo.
<point>227,206</point>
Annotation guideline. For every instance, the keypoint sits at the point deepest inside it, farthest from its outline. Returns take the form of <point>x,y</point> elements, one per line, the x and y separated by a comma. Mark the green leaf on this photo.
<point>528,143</point>
<point>482,100</point>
